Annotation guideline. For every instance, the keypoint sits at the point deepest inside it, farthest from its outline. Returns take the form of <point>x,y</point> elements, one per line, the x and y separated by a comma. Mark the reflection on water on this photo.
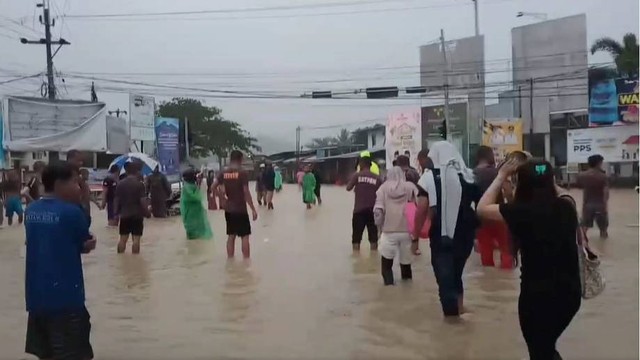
<point>304,295</point>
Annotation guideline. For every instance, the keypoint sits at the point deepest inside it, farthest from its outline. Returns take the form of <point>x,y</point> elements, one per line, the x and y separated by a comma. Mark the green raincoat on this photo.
<point>194,216</point>
<point>308,188</point>
<point>277,183</point>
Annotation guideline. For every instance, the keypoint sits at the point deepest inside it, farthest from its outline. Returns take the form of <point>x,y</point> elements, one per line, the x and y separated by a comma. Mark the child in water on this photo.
<point>308,187</point>
<point>194,215</point>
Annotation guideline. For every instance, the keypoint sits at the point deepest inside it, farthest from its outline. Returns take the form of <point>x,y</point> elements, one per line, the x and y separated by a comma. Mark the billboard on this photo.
<point>167,132</point>
<point>432,118</point>
<point>36,124</point>
<point>503,136</point>
<point>465,72</point>
<point>614,143</point>
<point>554,54</point>
<point>403,135</point>
<point>142,114</point>
<point>613,102</point>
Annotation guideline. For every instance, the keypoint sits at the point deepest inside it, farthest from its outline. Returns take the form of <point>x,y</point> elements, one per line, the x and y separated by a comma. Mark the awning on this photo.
<point>632,140</point>
<point>354,154</point>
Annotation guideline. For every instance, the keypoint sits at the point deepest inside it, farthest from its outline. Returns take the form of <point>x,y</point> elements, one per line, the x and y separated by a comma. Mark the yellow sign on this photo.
<point>503,136</point>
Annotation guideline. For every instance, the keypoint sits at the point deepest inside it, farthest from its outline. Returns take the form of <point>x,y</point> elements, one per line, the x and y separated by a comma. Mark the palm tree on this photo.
<point>344,138</point>
<point>317,143</point>
<point>625,55</point>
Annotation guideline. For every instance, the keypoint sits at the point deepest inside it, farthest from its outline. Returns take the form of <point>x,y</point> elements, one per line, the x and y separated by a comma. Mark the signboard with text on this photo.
<point>167,133</point>
<point>503,136</point>
<point>142,117</point>
<point>614,143</point>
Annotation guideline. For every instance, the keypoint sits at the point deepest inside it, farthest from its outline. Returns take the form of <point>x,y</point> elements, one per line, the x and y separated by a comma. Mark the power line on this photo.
<point>238,10</point>
<point>19,78</point>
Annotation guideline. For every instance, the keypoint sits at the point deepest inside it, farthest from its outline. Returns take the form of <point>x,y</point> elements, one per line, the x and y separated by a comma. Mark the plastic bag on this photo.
<point>410,212</point>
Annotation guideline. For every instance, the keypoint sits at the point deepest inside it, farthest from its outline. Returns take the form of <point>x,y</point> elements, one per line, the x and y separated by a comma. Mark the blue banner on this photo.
<point>167,134</point>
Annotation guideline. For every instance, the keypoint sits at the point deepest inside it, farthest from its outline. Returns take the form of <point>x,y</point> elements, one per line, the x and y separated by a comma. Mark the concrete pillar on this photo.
<point>547,146</point>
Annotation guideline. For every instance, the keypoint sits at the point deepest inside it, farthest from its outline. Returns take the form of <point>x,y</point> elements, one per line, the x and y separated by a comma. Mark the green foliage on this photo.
<point>209,132</point>
<point>624,54</point>
<point>344,138</point>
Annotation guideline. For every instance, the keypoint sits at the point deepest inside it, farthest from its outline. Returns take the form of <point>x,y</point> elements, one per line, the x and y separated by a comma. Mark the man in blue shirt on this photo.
<point>57,233</point>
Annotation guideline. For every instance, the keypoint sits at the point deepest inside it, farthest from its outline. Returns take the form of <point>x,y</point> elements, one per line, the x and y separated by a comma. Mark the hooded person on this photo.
<point>390,216</point>
<point>448,191</point>
<point>194,215</point>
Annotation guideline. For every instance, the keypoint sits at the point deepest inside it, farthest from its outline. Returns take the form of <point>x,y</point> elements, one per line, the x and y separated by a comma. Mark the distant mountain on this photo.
<point>271,145</point>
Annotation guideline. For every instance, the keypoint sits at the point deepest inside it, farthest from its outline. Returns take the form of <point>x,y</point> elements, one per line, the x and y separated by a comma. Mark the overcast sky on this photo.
<point>284,52</point>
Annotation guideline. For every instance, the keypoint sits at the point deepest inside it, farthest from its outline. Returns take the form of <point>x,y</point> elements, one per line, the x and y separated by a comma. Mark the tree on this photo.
<point>625,55</point>
<point>344,138</point>
<point>209,132</point>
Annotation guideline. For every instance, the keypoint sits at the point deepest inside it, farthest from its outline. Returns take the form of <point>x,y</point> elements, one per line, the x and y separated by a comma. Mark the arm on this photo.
<point>507,190</point>
<point>247,195</point>
<point>142,194</point>
<point>352,182</point>
<point>422,211</point>
<point>488,207</point>
<point>77,221</point>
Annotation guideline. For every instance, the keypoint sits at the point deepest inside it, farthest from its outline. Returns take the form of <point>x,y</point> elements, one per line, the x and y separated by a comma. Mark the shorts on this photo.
<point>396,243</point>
<point>238,224</point>
<point>597,214</point>
<point>13,205</point>
<point>132,225</point>
<point>60,336</point>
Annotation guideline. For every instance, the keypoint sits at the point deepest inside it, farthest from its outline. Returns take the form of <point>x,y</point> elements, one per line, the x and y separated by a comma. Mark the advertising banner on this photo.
<point>503,136</point>
<point>142,114</point>
<point>614,143</point>
<point>613,102</point>
<point>167,131</point>
<point>403,136</point>
<point>432,118</point>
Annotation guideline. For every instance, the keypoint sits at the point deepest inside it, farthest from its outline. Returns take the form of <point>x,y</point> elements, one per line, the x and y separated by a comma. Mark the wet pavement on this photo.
<point>304,295</point>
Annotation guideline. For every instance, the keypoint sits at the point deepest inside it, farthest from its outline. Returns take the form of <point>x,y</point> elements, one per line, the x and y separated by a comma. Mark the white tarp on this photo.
<point>142,115</point>
<point>34,124</point>
<point>614,143</point>
<point>117,135</point>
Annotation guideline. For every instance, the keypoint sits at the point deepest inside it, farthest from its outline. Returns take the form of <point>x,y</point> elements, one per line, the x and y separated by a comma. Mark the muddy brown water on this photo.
<point>304,295</point>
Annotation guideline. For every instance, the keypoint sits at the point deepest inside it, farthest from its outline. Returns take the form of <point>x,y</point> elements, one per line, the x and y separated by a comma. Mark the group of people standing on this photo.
<point>515,205</point>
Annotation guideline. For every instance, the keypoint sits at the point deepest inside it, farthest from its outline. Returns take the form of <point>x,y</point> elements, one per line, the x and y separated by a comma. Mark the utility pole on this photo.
<point>446,86</point>
<point>186,138</point>
<point>48,23</point>
<point>475,9</point>
<point>531,115</point>
<point>297,148</point>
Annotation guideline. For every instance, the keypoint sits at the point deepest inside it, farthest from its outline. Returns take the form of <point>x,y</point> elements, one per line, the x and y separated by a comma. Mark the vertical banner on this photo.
<point>503,136</point>
<point>403,136</point>
<point>167,133</point>
<point>141,117</point>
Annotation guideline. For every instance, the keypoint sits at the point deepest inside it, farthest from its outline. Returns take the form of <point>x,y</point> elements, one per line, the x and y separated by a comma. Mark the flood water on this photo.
<point>304,295</point>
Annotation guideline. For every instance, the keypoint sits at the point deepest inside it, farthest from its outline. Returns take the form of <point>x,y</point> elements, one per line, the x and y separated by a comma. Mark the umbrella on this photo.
<point>148,163</point>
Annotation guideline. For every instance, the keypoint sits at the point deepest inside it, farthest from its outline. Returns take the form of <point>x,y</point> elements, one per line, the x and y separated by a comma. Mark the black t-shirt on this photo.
<point>547,240</point>
<point>110,185</point>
